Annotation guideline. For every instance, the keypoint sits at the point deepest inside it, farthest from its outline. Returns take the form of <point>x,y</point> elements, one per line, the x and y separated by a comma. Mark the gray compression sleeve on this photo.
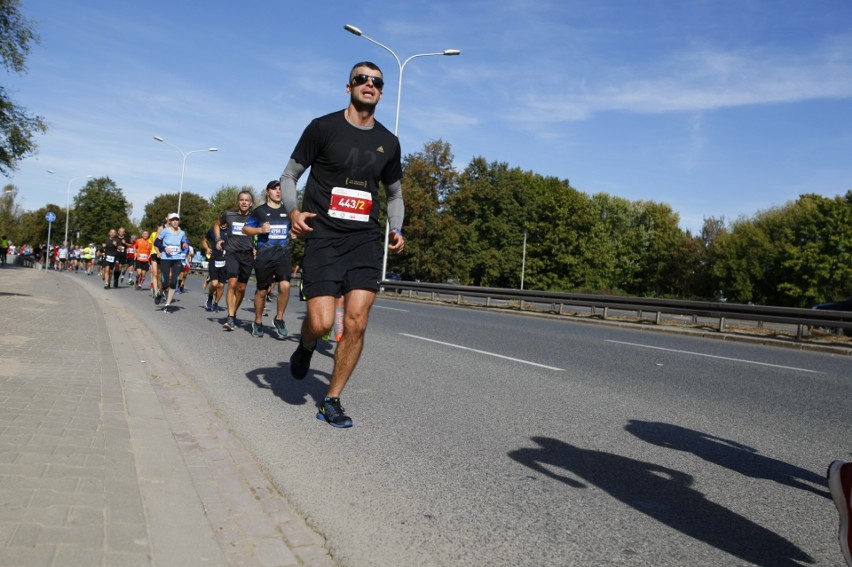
<point>396,208</point>
<point>289,178</point>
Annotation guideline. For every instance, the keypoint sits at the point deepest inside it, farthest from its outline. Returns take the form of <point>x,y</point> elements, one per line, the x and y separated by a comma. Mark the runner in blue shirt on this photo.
<point>270,223</point>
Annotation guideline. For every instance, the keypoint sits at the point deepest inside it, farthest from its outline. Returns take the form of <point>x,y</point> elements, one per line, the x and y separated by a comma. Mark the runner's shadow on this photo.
<point>663,494</point>
<point>287,388</point>
<point>727,453</point>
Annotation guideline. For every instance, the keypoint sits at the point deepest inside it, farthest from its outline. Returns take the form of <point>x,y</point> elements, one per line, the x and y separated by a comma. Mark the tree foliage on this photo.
<point>194,214</point>
<point>99,206</point>
<point>469,227</point>
<point>17,127</point>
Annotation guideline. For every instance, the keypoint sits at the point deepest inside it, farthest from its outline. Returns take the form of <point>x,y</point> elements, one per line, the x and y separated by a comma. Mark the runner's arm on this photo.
<point>396,207</point>
<point>289,178</point>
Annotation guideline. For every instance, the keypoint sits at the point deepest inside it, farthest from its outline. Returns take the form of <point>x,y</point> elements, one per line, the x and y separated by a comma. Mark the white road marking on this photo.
<point>377,306</point>
<point>719,357</point>
<point>485,352</point>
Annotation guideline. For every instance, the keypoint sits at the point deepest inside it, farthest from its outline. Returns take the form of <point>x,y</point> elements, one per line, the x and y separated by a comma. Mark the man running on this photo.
<point>215,268</point>
<point>271,225</point>
<point>239,254</point>
<point>143,257</point>
<point>110,253</point>
<point>349,154</point>
<point>121,256</point>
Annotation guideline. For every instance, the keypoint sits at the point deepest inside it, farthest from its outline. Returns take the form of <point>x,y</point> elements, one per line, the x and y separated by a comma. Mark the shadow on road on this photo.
<point>727,453</point>
<point>665,495</point>
<point>290,390</point>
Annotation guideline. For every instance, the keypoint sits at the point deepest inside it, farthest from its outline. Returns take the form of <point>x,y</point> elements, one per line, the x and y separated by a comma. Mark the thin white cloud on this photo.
<point>702,81</point>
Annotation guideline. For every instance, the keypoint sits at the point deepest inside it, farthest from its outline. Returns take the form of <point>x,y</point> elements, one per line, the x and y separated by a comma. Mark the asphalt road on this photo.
<point>486,438</point>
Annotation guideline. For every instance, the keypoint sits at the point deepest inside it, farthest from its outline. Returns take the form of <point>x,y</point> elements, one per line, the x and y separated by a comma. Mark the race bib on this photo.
<point>110,259</point>
<point>219,263</point>
<point>141,257</point>
<point>237,228</point>
<point>350,204</point>
<point>278,232</point>
<point>172,250</point>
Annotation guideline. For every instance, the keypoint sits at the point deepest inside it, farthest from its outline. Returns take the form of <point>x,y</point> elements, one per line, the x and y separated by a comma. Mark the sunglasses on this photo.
<point>359,80</point>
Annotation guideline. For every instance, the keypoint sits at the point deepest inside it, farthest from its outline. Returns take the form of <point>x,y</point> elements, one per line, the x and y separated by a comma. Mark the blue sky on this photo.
<point>719,108</point>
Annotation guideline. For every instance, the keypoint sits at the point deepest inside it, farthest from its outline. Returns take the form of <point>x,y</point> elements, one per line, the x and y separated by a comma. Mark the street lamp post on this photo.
<point>183,155</point>
<point>68,201</point>
<point>401,64</point>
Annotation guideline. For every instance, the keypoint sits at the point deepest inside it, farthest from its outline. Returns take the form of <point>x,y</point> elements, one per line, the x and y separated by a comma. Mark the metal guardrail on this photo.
<point>558,302</point>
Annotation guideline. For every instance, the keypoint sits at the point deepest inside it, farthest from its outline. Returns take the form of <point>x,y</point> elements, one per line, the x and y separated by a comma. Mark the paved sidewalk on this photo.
<point>109,454</point>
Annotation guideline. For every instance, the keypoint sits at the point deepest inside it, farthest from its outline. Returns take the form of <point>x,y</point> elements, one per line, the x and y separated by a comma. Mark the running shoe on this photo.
<point>300,361</point>
<point>280,328</point>
<point>230,324</point>
<point>158,298</point>
<point>840,484</point>
<point>166,308</point>
<point>257,330</point>
<point>106,286</point>
<point>331,411</point>
<point>208,305</point>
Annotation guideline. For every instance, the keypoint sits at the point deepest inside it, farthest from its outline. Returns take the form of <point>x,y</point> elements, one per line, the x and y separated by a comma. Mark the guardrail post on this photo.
<point>721,324</point>
<point>606,312</point>
<point>658,317</point>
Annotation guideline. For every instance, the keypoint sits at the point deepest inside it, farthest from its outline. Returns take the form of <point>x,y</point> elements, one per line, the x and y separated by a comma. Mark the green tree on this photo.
<point>428,178</point>
<point>99,206</point>
<point>33,227</point>
<point>17,127</point>
<point>194,214</point>
<point>816,253</point>
<point>567,248</point>
<point>10,213</point>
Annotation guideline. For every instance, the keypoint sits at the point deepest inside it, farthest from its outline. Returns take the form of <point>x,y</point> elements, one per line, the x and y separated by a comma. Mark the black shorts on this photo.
<point>272,264</point>
<point>239,264</point>
<point>154,259</point>
<point>142,266</point>
<point>217,274</point>
<point>335,266</point>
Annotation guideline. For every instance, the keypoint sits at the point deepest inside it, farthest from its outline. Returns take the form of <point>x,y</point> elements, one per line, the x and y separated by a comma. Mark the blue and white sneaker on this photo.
<point>333,413</point>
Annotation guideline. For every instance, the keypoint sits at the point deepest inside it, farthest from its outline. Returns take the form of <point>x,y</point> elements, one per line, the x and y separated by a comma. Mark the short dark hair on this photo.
<point>367,64</point>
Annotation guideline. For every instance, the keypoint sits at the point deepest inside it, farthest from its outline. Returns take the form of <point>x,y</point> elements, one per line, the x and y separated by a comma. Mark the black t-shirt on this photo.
<point>111,245</point>
<point>236,241</point>
<point>347,164</point>
<point>216,254</point>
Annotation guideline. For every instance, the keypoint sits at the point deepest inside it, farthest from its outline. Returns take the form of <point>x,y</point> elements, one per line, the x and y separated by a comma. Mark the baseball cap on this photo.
<point>273,184</point>
<point>173,216</point>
